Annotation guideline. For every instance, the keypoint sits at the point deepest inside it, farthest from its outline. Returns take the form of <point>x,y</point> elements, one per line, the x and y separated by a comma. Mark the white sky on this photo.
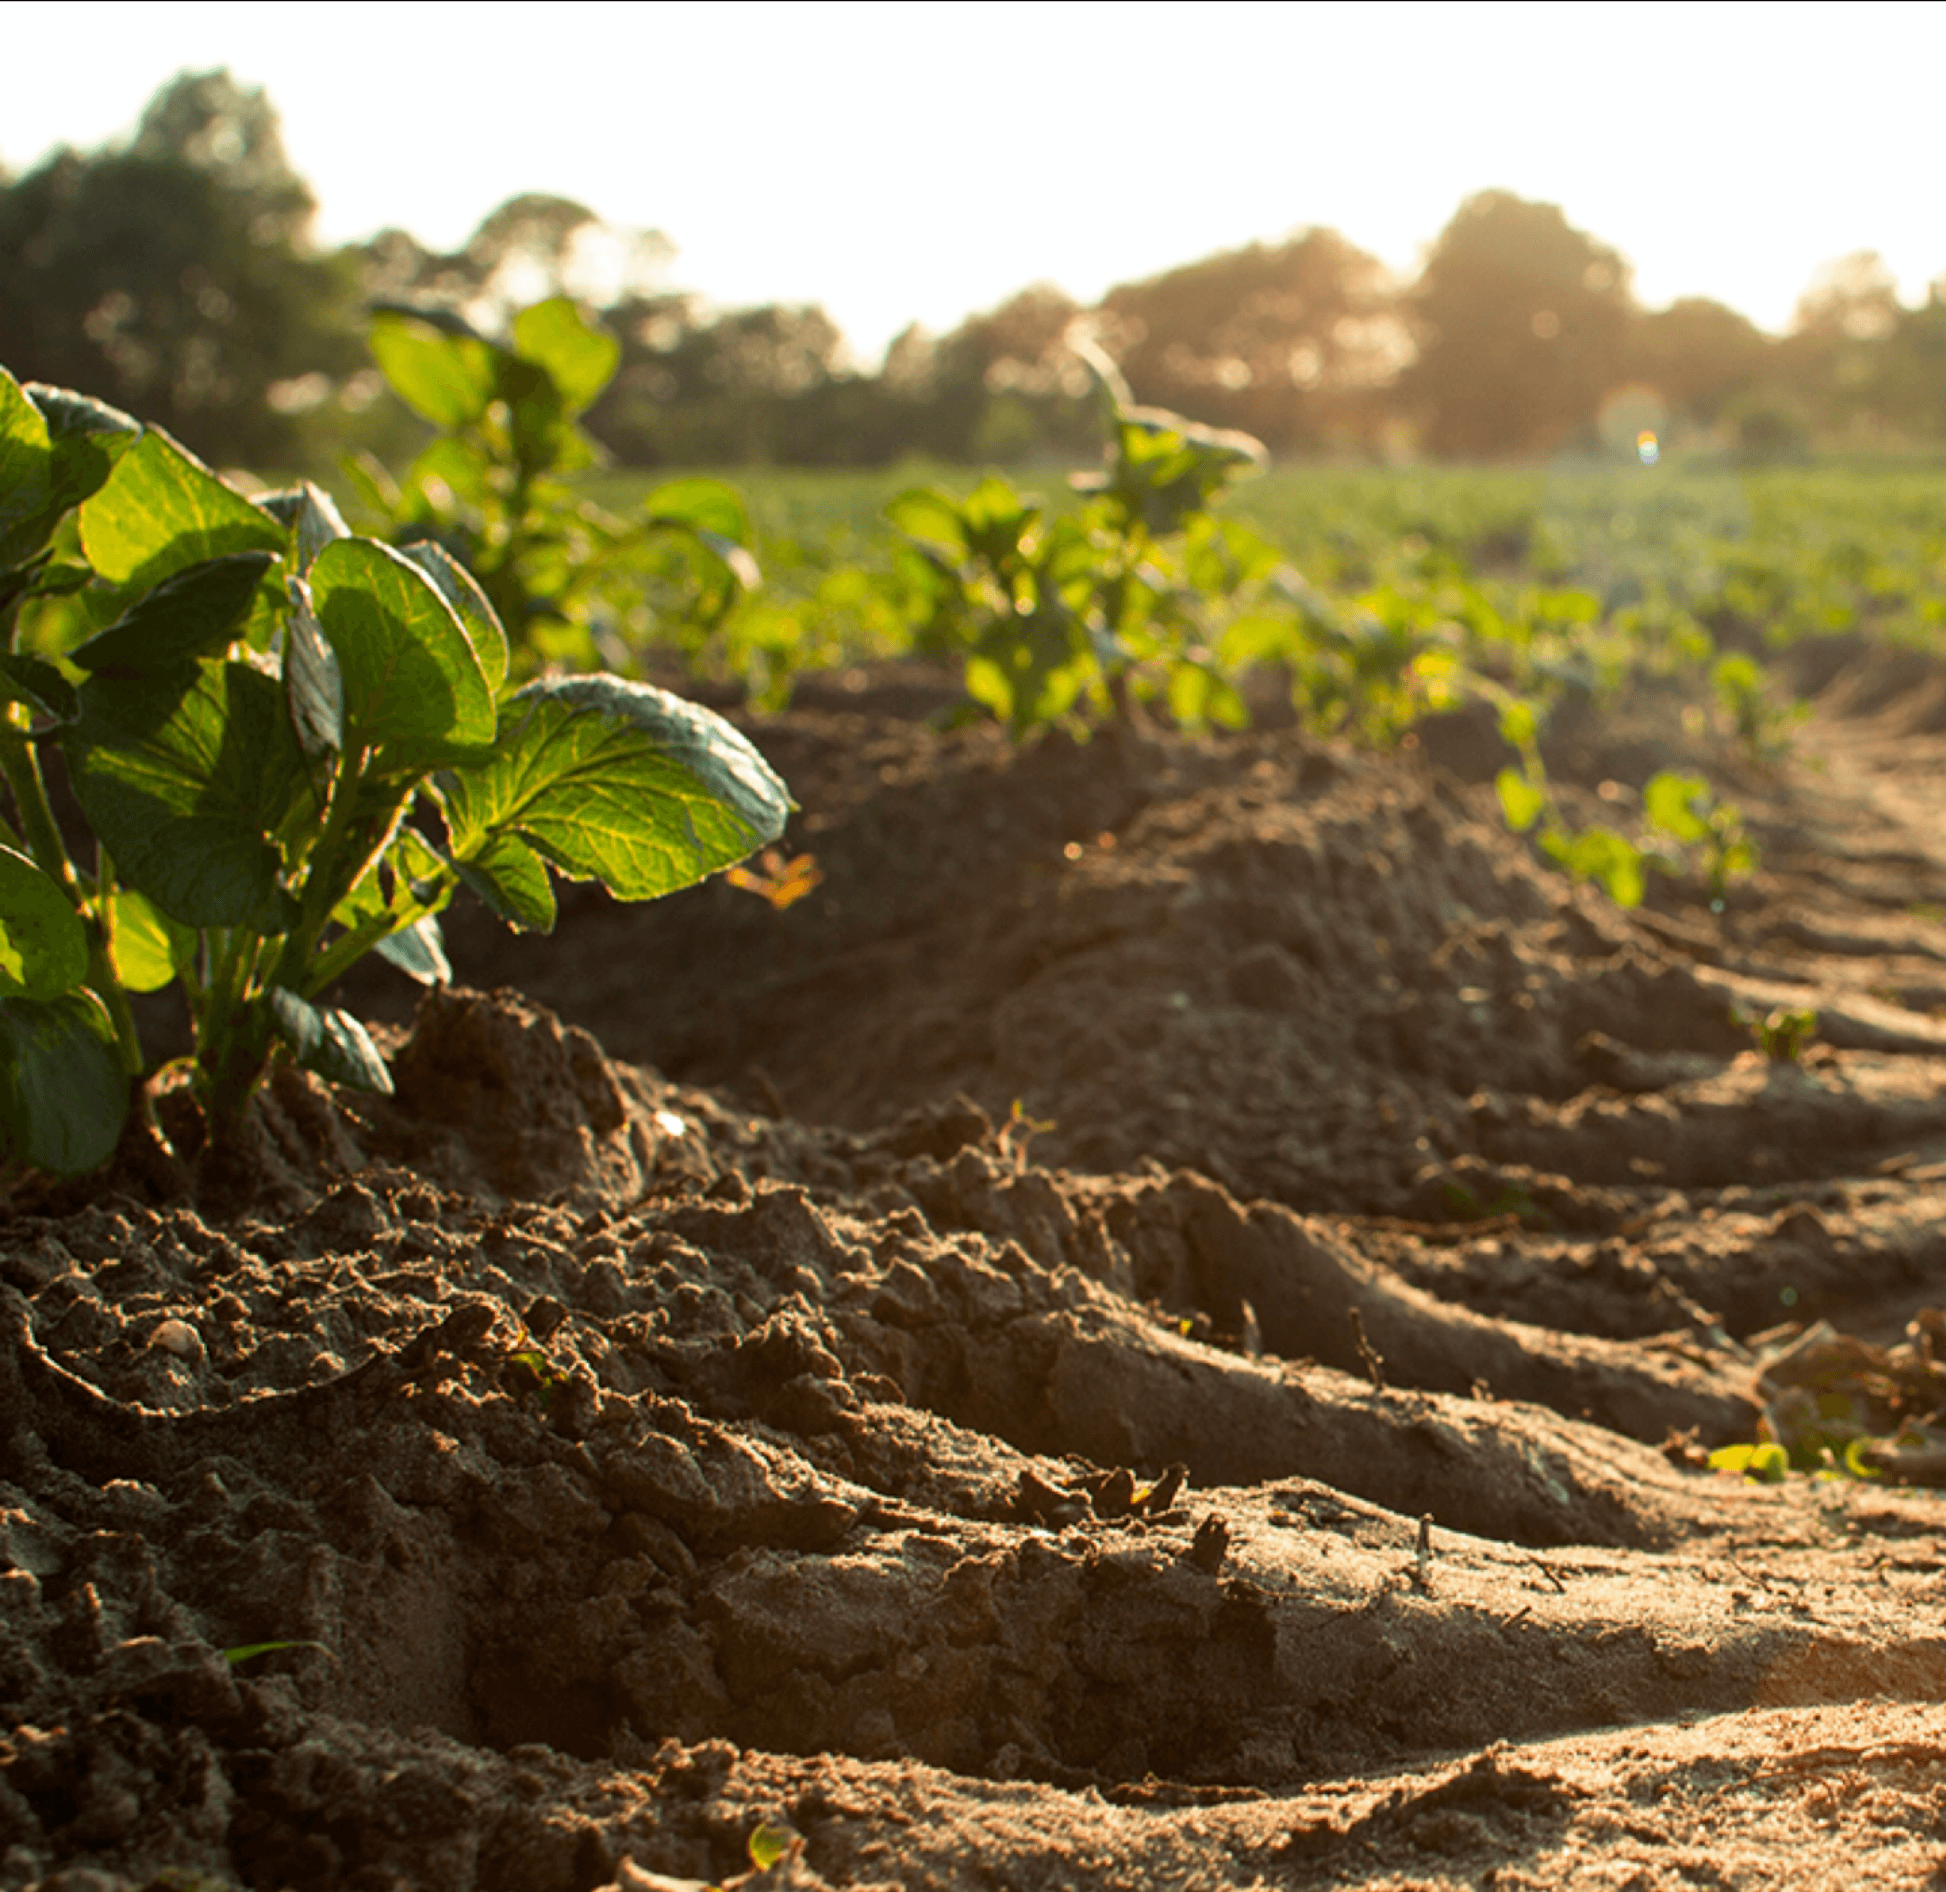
<point>919,159</point>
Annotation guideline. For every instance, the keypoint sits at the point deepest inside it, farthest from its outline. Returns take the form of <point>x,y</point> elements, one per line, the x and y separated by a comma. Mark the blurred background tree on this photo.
<point>174,276</point>
<point>1522,324</point>
<point>1295,342</point>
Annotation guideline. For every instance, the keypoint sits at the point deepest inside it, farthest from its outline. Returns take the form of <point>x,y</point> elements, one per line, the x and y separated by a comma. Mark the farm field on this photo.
<point>1164,1324</point>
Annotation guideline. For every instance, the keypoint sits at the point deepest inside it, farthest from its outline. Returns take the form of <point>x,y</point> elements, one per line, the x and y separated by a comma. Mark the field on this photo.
<point>1166,1324</point>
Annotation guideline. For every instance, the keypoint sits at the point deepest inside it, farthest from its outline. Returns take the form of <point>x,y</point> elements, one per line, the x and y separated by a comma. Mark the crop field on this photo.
<point>1231,1178</point>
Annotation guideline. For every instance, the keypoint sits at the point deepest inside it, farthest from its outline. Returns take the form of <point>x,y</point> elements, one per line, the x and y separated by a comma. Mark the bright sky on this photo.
<point>916,159</point>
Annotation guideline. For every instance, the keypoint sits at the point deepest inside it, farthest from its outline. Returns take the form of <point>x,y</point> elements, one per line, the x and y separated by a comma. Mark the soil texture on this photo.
<point>1162,1327</point>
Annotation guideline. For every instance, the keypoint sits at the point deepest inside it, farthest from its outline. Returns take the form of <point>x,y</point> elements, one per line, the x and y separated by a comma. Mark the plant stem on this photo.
<point>22,768</point>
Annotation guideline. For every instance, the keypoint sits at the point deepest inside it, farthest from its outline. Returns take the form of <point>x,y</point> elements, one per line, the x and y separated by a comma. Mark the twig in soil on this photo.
<point>1422,1556</point>
<point>1368,1355</point>
<point>1559,1586</point>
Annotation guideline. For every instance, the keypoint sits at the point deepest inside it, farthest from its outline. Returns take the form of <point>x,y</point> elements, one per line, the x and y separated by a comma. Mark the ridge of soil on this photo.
<point>1161,1327</point>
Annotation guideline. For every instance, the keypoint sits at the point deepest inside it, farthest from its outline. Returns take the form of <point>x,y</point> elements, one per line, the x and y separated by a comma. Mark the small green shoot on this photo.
<point>1764,1464</point>
<point>248,1651</point>
<point>1782,1033</point>
<point>768,1844</point>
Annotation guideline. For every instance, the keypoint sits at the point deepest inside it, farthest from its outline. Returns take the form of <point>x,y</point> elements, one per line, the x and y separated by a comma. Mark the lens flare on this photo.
<point>1647,450</point>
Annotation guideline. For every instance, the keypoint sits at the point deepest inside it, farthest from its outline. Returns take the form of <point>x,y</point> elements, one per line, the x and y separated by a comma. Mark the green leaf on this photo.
<point>1767,1463</point>
<point>147,947</point>
<point>411,675</point>
<point>88,437</point>
<point>314,685</point>
<point>1519,723</point>
<point>184,777</point>
<point>448,379</point>
<point>28,510</point>
<point>63,1092</point>
<point>767,1844</point>
<point>619,782</point>
<point>419,951</point>
<point>330,1042</point>
<point>932,518</point>
<point>25,678</point>
<point>43,944</point>
<point>701,505</point>
<point>512,879</point>
<point>461,590</point>
<point>310,515</point>
<point>194,614</point>
<point>1520,800</point>
<point>579,358</point>
<point>162,511</point>
<point>405,875</point>
<point>1675,803</point>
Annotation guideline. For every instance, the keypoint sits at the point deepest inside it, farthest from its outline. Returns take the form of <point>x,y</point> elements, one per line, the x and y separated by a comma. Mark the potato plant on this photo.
<point>1070,618</point>
<point>573,584</point>
<point>289,746</point>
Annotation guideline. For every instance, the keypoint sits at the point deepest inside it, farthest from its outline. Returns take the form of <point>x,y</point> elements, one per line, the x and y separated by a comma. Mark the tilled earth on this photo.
<point>1162,1327</point>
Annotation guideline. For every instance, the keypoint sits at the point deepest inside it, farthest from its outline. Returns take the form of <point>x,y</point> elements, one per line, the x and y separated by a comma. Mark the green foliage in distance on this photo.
<point>573,585</point>
<point>291,745</point>
<point>1065,619</point>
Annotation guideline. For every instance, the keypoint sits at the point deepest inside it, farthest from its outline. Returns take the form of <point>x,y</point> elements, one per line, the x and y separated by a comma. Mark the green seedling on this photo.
<point>289,747</point>
<point>249,1651</point>
<point>1685,808</point>
<point>1018,1132</point>
<point>1765,1463</point>
<point>1759,722</point>
<point>768,1844</point>
<point>1782,1033</point>
<point>573,584</point>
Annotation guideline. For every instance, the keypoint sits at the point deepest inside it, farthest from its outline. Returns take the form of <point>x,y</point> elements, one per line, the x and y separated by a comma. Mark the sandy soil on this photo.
<point>1161,1328</point>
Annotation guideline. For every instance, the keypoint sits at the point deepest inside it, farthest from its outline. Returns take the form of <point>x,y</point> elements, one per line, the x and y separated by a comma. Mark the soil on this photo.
<point>1162,1327</point>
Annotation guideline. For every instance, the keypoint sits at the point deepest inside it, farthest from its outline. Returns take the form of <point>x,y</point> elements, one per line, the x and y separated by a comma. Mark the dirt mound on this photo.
<point>1282,1466</point>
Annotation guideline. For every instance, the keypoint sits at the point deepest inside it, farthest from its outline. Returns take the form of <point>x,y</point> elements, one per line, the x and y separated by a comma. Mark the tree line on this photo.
<point>173,274</point>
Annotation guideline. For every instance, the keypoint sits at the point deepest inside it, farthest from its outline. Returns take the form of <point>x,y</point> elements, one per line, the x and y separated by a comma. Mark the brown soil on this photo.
<point>1160,1328</point>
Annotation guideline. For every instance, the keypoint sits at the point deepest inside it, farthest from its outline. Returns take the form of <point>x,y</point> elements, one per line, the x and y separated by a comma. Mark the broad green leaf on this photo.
<point>419,951</point>
<point>314,686</point>
<point>25,678</point>
<point>1520,800</point>
<point>448,379</point>
<point>461,590</point>
<point>43,945</point>
<point>194,614</point>
<point>330,1042</point>
<point>579,358</point>
<point>619,782</point>
<point>703,505</point>
<point>1673,803</point>
<point>411,675</point>
<point>88,437</point>
<point>512,880</point>
<point>184,777</point>
<point>148,948</point>
<point>1519,724</point>
<point>464,470</point>
<point>27,505</point>
<point>63,1092</point>
<point>931,517</point>
<point>540,417</point>
<point>1603,855</point>
<point>163,510</point>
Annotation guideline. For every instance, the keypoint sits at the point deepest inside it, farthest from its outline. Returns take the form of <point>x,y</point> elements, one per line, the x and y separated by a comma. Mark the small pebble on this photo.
<point>179,1338</point>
